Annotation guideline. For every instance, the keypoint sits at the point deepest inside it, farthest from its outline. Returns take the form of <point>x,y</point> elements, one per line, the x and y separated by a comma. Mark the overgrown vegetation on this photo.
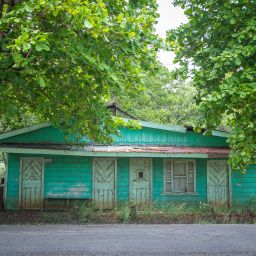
<point>216,48</point>
<point>162,213</point>
<point>60,61</point>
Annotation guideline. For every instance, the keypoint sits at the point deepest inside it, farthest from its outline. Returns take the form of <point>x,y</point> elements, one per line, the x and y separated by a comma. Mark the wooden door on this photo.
<point>31,183</point>
<point>218,182</point>
<point>104,182</point>
<point>140,180</point>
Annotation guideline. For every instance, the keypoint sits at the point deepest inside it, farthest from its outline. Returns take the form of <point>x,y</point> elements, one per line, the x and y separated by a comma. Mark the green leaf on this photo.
<point>132,34</point>
<point>28,8</point>
<point>238,61</point>
<point>40,47</point>
<point>87,24</point>
<point>120,17</point>
<point>41,82</point>
<point>232,21</point>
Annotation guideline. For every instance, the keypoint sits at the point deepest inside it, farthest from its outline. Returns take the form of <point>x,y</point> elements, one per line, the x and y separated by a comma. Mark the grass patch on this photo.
<point>158,213</point>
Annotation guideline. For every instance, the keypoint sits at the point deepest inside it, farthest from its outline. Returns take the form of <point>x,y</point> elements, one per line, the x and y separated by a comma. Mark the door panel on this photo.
<point>104,182</point>
<point>218,182</point>
<point>31,183</point>
<point>140,180</point>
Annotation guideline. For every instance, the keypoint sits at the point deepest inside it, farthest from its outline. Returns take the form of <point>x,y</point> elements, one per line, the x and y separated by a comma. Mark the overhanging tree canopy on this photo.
<point>63,59</point>
<point>217,47</point>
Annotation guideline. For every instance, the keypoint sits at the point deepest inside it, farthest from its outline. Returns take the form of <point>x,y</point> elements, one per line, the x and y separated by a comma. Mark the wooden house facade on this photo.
<point>157,163</point>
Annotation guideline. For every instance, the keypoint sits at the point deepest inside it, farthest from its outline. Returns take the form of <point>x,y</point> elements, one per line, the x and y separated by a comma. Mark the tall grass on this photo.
<point>174,212</point>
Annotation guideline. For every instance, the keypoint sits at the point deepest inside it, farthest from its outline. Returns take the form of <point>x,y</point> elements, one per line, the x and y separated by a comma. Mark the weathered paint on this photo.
<point>63,178</point>
<point>72,177</point>
<point>31,183</point>
<point>140,180</point>
<point>99,154</point>
<point>217,182</point>
<point>104,182</point>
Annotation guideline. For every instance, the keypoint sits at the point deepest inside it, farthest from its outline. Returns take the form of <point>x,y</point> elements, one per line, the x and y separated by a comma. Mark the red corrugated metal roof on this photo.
<point>161,149</point>
<point>222,151</point>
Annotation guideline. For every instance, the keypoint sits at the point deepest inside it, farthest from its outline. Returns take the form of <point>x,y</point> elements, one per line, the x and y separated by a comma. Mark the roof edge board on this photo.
<point>23,130</point>
<point>107,154</point>
<point>167,127</point>
<point>142,123</point>
<point>175,128</point>
<point>163,127</point>
<point>220,134</point>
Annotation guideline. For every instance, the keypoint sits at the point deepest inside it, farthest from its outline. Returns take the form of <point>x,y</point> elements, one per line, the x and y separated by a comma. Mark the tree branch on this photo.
<point>1,8</point>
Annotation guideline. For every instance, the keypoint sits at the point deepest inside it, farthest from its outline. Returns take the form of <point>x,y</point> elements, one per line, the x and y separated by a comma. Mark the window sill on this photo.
<point>180,194</point>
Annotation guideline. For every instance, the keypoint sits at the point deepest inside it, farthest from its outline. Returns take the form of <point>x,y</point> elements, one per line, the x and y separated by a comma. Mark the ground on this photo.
<point>196,239</point>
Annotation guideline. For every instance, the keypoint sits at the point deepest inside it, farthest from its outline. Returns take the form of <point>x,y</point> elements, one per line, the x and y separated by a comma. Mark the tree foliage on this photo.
<point>217,48</point>
<point>61,60</point>
<point>162,100</point>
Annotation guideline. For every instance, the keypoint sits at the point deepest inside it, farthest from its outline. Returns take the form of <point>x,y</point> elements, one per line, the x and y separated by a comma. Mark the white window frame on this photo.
<point>172,176</point>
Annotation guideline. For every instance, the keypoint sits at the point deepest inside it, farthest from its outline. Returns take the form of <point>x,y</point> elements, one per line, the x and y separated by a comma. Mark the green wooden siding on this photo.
<point>127,136</point>
<point>123,179</point>
<point>12,195</point>
<point>64,177</point>
<point>72,177</point>
<point>47,134</point>
<point>163,137</point>
<point>68,177</point>
<point>244,186</point>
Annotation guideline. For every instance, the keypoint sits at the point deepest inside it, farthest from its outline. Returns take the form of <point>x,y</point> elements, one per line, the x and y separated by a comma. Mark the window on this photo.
<point>179,176</point>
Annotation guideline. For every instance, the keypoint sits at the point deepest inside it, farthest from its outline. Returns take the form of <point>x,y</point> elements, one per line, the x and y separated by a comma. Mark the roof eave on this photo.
<point>23,130</point>
<point>172,128</point>
<point>106,154</point>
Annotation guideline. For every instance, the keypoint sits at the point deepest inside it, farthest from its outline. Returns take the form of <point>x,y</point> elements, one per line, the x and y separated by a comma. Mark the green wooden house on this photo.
<point>157,163</point>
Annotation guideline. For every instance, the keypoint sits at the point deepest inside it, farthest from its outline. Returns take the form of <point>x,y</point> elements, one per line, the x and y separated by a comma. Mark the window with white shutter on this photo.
<point>179,176</point>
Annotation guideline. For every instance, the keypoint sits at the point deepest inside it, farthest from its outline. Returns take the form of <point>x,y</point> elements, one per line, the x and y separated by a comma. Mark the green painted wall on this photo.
<point>68,177</point>
<point>63,177</point>
<point>128,136</point>
<point>244,186</point>
<point>72,177</point>
<point>123,179</point>
<point>47,134</point>
<point>12,196</point>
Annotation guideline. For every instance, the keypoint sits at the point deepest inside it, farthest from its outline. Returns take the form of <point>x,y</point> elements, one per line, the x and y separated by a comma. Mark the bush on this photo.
<point>87,212</point>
